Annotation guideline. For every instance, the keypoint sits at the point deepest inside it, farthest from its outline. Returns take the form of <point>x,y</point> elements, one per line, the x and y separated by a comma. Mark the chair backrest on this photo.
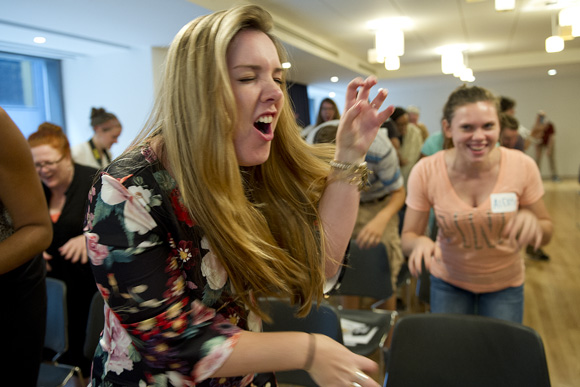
<point>368,273</point>
<point>56,337</point>
<point>463,350</point>
<point>95,324</point>
<point>322,319</point>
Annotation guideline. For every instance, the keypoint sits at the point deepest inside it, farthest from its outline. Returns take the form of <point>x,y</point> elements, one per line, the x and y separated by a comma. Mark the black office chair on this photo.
<point>53,374</point>
<point>322,319</point>
<point>465,350</point>
<point>368,274</point>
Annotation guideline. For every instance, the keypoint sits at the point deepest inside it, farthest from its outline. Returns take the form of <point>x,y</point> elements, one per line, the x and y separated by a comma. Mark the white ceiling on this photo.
<point>324,37</point>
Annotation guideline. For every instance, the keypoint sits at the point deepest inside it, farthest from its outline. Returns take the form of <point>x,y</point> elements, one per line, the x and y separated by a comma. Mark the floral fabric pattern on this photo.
<point>170,316</point>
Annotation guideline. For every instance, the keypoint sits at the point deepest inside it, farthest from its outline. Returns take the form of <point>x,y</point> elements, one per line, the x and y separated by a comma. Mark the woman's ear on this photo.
<point>446,128</point>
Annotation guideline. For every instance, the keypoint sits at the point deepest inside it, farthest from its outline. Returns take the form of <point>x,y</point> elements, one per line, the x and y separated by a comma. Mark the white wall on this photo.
<point>558,96</point>
<point>122,83</point>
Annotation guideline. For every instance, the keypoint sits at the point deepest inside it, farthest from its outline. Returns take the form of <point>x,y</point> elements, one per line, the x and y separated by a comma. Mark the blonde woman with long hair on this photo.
<point>220,202</point>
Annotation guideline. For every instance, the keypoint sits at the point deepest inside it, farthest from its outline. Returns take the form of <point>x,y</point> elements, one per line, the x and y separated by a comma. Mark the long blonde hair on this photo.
<point>262,221</point>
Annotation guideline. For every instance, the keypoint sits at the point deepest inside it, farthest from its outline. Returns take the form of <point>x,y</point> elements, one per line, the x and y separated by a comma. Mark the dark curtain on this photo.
<point>299,99</point>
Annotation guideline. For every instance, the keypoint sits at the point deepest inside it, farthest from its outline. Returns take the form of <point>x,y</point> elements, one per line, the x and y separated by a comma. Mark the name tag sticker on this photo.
<point>504,202</point>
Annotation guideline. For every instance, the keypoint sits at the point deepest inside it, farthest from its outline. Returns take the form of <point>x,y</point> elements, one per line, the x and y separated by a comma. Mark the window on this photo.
<point>31,90</point>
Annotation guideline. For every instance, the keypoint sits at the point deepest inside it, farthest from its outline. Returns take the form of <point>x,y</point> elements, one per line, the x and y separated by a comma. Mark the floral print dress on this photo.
<point>170,317</point>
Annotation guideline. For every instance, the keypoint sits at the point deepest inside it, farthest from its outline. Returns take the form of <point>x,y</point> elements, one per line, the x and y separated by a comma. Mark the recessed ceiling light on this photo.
<point>552,72</point>
<point>334,79</point>
<point>332,94</point>
<point>286,65</point>
<point>39,39</point>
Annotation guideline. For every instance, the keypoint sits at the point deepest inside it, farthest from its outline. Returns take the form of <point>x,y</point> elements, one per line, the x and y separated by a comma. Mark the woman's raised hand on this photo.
<point>361,120</point>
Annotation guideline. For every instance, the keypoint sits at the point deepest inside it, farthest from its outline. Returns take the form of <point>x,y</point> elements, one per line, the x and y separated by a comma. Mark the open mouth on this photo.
<point>264,124</point>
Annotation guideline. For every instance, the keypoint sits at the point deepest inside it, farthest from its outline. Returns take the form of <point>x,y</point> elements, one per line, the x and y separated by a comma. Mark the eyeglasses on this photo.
<point>48,164</point>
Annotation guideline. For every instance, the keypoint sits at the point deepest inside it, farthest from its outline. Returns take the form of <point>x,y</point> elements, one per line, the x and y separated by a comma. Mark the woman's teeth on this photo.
<point>477,147</point>
<point>263,124</point>
<point>265,120</point>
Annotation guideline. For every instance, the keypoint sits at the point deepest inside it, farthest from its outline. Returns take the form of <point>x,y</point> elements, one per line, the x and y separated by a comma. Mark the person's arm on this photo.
<point>372,232</point>
<point>21,193</point>
<point>332,363</point>
<point>339,203</point>
<point>415,244</point>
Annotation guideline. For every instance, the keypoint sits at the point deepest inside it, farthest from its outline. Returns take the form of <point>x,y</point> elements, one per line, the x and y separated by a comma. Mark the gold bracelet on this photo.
<point>355,174</point>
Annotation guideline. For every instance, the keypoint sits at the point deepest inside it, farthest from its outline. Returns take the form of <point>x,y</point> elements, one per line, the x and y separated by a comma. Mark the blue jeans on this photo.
<point>506,304</point>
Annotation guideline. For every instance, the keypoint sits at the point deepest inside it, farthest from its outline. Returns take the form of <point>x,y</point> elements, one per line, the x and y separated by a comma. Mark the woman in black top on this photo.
<point>66,186</point>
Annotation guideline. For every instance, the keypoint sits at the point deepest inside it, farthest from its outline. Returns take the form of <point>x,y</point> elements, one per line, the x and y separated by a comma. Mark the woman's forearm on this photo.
<point>266,352</point>
<point>338,209</point>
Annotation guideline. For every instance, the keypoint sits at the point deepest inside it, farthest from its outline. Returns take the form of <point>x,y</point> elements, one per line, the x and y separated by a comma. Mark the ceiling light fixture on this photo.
<point>333,79</point>
<point>392,63</point>
<point>332,94</point>
<point>505,5</point>
<point>373,57</point>
<point>286,65</point>
<point>39,39</point>
<point>552,72</point>
<point>554,43</point>
<point>570,16</point>
<point>454,61</point>
<point>389,42</point>
<point>451,61</point>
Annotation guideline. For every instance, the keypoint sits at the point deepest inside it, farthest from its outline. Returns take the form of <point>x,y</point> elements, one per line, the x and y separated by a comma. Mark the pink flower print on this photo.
<point>212,269</point>
<point>201,313</point>
<point>92,193</point>
<point>221,349</point>
<point>89,221</point>
<point>96,252</point>
<point>104,291</point>
<point>117,343</point>
<point>137,217</point>
<point>148,154</point>
<point>247,380</point>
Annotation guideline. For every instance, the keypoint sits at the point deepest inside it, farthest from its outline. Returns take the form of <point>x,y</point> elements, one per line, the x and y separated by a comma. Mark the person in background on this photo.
<point>414,113</point>
<point>488,205</point>
<point>377,220</point>
<point>509,138</point>
<point>545,131</point>
<point>25,231</point>
<point>328,111</point>
<point>410,141</point>
<point>66,186</point>
<point>525,136</point>
<point>217,204</point>
<point>394,133</point>
<point>508,135</point>
<point>96,152</point>
<point>434,143</point>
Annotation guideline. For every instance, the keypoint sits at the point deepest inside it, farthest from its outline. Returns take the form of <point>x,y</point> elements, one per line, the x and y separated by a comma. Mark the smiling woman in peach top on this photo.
<point>488,204</point>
